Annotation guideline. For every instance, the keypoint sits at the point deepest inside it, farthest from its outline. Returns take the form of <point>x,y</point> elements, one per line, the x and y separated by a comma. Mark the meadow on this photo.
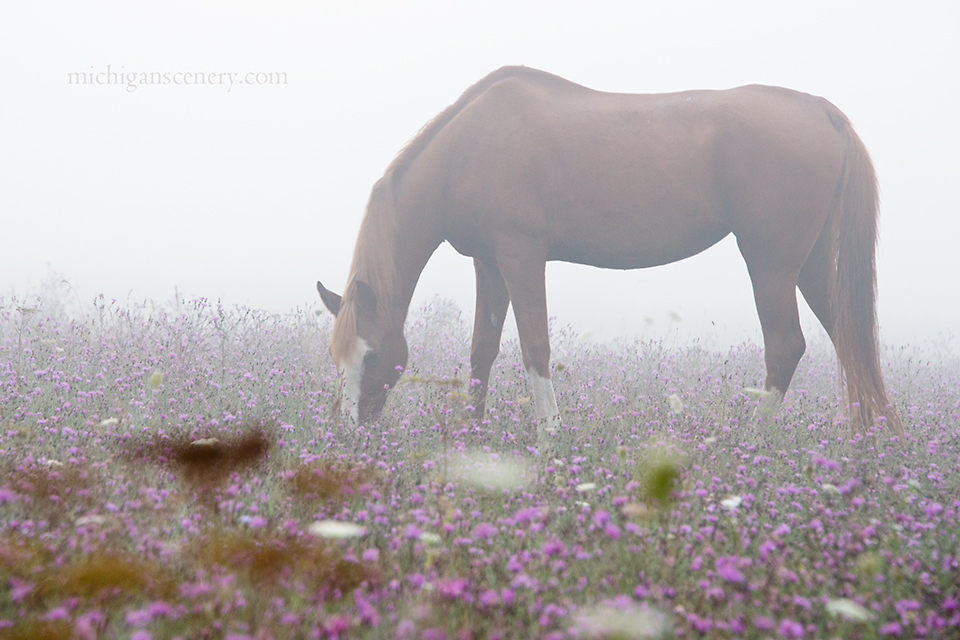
<point>177,471</point>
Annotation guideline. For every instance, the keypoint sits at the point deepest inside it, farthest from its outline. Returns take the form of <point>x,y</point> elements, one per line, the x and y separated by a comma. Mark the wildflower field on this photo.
<point>177,472</point>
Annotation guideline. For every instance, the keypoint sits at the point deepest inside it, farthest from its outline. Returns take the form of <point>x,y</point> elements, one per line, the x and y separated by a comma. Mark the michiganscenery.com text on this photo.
<point>132,80</point>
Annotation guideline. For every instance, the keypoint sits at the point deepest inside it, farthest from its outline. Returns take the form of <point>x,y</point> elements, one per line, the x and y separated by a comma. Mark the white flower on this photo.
<point>676,404</point>
<point>731,503</point>
<point>486,471</point>
<point>849,610</point>
<point>610,622</point>
<point>429,537</point>
<point>336,529</point>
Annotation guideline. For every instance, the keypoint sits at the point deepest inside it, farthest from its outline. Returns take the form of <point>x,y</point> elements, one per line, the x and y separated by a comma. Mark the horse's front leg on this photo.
<point>523,272</point>
<point>492,303</point>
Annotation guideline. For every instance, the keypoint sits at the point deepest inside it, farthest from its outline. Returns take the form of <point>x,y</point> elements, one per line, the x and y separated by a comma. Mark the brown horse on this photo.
<point>527,167</point>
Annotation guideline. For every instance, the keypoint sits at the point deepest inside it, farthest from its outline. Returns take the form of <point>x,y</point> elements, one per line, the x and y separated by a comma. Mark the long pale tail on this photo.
<point>855,292</point>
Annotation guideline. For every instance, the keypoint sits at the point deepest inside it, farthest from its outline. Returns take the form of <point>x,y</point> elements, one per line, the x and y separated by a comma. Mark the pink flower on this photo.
<point>765,548</point>
<point>826,462</point>
<point>730,573</point>
<point>60,613</point>
<point>138,617</point>
<point>790,629</point>
<point>553,547</point>
<point>86,625</point>
<point>454,588</point>
<point>485,531</point>
<point>489,598</point>
<point>762,622</point>
<point>160,608</point>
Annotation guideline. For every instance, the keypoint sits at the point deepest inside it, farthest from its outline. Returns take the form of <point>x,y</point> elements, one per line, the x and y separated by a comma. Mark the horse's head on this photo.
<point>368,348</point>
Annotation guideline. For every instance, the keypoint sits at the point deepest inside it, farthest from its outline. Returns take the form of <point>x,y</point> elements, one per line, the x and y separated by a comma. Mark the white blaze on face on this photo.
<point>545,400</point>
<point>351,373</point>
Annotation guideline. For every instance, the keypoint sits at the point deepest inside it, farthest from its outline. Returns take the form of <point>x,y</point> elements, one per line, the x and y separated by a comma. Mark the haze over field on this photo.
<point>247,188</point>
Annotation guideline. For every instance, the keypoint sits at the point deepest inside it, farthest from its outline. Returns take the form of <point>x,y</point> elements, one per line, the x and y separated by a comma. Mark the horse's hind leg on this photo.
<point>492,303</point>
<point>816,283</point>
<point>775,293</point>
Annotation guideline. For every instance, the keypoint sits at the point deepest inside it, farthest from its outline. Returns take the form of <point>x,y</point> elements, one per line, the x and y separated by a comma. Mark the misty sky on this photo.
<point>249,193</point>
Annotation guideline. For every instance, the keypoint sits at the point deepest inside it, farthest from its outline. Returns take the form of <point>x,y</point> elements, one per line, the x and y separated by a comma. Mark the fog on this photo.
<point>248,192</point>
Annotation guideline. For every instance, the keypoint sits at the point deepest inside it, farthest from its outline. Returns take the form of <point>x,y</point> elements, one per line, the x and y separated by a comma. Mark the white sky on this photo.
<point>251,194</point>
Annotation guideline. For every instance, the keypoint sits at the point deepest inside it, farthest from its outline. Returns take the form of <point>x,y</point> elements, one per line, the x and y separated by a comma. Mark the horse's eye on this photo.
<point>372,357</point>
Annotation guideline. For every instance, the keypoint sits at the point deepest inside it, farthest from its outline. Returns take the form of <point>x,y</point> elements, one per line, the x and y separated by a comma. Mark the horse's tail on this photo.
<point>855,338</point>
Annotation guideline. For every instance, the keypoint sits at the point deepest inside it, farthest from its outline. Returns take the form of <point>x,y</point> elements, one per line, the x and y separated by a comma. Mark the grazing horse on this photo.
<point>527,167</point>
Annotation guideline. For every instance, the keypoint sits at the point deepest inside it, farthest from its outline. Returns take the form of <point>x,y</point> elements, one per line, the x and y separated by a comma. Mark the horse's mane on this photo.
<point>374,255</point>
<point>419,142</point>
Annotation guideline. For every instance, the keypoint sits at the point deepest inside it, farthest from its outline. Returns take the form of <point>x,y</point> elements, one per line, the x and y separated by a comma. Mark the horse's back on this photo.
<point>624,180</point>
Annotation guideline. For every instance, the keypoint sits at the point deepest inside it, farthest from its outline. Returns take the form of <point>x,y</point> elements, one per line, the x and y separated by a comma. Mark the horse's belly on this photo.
<point>633,245</point>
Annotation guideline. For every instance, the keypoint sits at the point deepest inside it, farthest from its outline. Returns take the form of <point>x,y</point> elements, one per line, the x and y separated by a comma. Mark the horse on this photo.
<point>527,167</point>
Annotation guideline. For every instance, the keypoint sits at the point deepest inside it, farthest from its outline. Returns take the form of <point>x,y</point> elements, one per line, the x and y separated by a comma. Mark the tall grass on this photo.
<point>175,471</point>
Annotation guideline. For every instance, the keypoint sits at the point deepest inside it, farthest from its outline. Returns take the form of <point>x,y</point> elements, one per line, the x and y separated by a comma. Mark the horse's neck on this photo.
<point>412,254</point>
<point>413,246</point>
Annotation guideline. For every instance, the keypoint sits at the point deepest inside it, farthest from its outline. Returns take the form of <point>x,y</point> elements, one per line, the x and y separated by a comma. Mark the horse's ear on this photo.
<point>330,299</point>
<point>366,298</point>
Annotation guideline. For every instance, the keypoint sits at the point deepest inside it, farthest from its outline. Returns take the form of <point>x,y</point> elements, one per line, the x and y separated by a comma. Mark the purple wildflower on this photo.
<point>730,573</point>
<point>890,629</point>
<point>601,517</point>
<point>826,462</point>
<point>454,589</point>
<point>763,622</point>
<point>366,611</point>
<point>553,547</point>
<point>59,613</point>
<point>485,531</point>
<point>790,629</point>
